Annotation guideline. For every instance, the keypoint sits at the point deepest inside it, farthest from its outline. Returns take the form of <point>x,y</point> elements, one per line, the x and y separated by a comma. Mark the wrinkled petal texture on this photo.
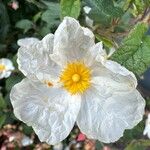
<point>51,112</point>
<point>34,60</point>
<point>112,104</point>
<point>71,41</point>
<point>27,42</point>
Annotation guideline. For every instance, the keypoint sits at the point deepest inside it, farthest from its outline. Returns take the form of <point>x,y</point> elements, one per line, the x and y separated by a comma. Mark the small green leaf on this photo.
<point>107,42</point>
<point>2,102</point>
<point>70,8</point>
<point>12,80</point>
<point>2,120</point>
<point>134,52</point>
<point>52,15</point>
<point>44,30</point>
<point>24,24</point>
<point>37,16</point>
<point>103,11</point>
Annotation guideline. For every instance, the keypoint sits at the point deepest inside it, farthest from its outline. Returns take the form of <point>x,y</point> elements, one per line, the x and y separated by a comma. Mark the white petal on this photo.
<point>8,63</point>
<point>26,141</point>
<point>86,9</point>
<point>118,69</point>
<point>71,41</point>
<point>47,43</point>
<point>111,77</point>
<point>147,127</point>
<point>96,53</point>
<point>34,60</point>
<point>111,51</point>
<point>51,112</point>
<point>58,146</point>
<point>88,32</point>
<point>89,22</point>
<point>107,118</point>
<point>26,42</point>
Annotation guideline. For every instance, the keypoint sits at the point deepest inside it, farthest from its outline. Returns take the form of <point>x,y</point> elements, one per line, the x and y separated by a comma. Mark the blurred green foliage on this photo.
<point>112,21</point>
<point>134,52</point>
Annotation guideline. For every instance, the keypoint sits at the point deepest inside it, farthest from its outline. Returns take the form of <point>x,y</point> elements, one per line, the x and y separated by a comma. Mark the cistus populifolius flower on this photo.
<point>147,127</point>
<point>6,67</point>
<point>69,79</point>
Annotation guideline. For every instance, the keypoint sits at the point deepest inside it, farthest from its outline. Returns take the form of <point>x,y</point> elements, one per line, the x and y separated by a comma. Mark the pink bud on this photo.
<point>15,5</point>
<point>81,137</point>
<point>106,148</point>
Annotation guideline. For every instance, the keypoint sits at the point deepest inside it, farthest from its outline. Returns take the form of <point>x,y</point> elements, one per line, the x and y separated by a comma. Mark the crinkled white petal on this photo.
<point>112,81</point>
<point>89,22</point>
<point>101,66</point>
<point>89,33</point>
<point>111,51</point>
<point>26,42</point>
<point>50,111</point>
<point>8,68</point>
<point>96,54</point>
<point>87,9</point>
<point>117,69</point>
<point>112,104</point>
<point>107,118</point>
<point>35,63</point>
<point>109,76</point>
<point>147,127</point>
<point>71,41</point>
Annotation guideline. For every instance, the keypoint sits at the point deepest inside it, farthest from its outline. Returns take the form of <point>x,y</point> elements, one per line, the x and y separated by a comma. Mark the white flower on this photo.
<point>58,146</point>
<point>26,141</point>
<point>89,22</point>
<point>6,67</point>
<point>68,81</point>
<point>147,127</point>
<point>26,42</point>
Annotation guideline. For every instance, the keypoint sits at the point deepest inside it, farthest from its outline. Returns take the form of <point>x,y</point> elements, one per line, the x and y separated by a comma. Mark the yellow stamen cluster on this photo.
<point>76,77</point>
<point>2,67</point>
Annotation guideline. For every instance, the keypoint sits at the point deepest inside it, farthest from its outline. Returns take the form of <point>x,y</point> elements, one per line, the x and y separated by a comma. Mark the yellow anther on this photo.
<point>2,67</point>
<point>76,78</point>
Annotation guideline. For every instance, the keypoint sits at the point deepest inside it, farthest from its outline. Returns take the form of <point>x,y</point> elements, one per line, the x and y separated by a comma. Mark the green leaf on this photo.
<point>37,17</point>
<point>24,24</point>
<point>4,22</point>
<point>2,102</point>
<point>103,10</point>
<point>138,145</point>
<point>2,120</point>
<point>12,80</point>
<point>70,8</point>
<point>107,42</point>
<point>134,133</point>
<point>52,15</point>
<point>134,52</point>
<point>99,145</point>
<point>44,30</point>
<point>27,130</point>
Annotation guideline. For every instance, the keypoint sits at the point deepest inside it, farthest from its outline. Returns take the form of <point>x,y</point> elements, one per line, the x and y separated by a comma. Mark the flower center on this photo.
<point>2,67</point>
<point>76,77</point>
